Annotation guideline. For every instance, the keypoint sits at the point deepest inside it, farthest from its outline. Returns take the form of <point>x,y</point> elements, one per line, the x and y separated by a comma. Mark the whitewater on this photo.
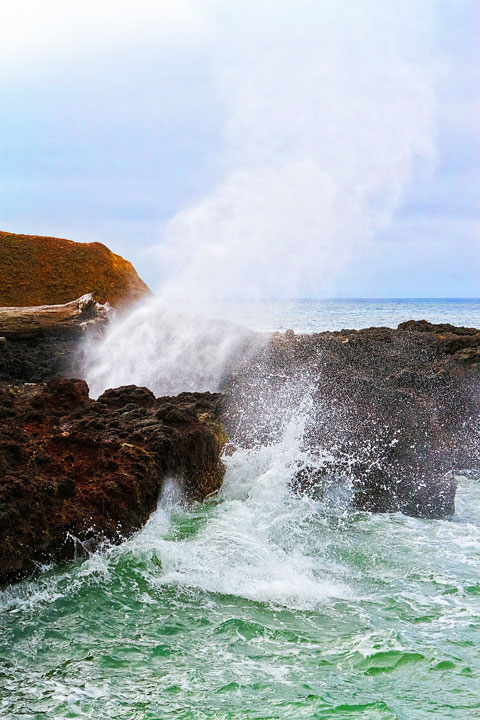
<point>258,603</point>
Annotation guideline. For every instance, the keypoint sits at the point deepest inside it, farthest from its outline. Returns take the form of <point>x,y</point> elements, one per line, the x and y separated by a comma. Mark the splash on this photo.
<point>256,544</point>
<point>167,351</point>
<point>328,116</point>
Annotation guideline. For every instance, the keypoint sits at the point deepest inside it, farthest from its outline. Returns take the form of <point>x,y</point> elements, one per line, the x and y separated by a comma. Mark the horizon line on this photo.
<point>336,299</point>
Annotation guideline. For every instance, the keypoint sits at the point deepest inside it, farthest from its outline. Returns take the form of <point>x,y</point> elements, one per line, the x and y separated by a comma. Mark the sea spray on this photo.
<point>168,351</point>
<point>253,545</point>
<point>329,114</point>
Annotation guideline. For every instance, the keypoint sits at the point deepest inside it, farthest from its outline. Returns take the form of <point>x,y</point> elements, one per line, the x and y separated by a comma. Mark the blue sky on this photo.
<point>268,148</point>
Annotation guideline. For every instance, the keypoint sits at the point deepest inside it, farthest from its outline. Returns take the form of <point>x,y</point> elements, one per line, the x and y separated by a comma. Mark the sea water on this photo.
<point>258,603</point>
<point>309,316</point>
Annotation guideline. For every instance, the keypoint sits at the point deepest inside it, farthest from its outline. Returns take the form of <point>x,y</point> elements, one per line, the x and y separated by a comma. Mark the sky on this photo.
<point>316,148</point>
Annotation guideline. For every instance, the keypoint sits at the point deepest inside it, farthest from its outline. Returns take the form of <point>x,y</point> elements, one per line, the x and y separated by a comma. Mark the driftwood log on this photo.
<point>75,316</point>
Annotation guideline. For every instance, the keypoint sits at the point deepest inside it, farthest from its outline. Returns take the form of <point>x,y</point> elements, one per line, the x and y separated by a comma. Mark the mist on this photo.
<point>329,116</point>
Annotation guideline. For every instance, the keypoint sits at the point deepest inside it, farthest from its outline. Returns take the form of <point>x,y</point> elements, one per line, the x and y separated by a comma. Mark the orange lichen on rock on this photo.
<point>38,270</point>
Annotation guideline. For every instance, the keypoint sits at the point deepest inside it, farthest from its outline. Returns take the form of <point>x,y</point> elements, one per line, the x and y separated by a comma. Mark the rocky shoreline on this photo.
<point>75,472</point>
<point>392,413</point>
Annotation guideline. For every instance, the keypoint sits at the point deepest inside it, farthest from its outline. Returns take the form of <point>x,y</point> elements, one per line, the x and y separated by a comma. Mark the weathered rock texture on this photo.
<point>74,471</point>
<point>74,318</point>
<point>38,270</point>
<point>37,359</point>
<point>393,412</point>
<point>39,343</point>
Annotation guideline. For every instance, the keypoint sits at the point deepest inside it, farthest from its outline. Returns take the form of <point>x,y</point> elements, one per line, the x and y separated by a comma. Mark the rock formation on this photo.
<point>73,318</point>
<point>392,413</point>
<point>75,471</point>
<point>52,271</point>
<point>39,343</point>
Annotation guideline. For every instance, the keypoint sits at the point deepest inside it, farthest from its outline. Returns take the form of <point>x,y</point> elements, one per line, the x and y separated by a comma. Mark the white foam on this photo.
<point>252,544</point>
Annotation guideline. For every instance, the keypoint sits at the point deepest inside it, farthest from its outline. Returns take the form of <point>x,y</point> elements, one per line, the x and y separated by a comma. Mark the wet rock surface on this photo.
<point>75,471</point>
<point>40,343</point>
<point>37,359</point>
<point>391,413</point>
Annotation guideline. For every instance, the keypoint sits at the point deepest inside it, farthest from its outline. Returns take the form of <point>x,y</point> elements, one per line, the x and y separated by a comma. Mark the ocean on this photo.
<point>309,316</point>
<point>258,604</point>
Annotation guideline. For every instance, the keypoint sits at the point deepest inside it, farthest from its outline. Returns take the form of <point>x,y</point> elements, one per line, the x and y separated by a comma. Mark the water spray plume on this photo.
<point>329,114</point>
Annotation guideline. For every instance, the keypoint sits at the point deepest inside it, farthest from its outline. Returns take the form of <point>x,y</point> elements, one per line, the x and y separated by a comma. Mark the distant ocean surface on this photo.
<point>310,316</point>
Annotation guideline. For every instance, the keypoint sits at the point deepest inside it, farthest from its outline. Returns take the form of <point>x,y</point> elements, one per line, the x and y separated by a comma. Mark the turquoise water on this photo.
<point>256,604</point>
<point>380,618</point>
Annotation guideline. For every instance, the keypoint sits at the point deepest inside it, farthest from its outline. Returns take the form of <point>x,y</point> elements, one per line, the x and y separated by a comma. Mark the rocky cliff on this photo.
<point>38,270</point>
<point>390,414</point>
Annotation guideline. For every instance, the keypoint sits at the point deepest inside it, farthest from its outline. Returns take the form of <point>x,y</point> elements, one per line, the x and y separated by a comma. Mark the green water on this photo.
<point>255,605</point>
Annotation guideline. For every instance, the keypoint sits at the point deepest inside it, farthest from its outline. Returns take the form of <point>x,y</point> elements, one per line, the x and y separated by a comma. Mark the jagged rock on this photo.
<point>76,471</point>
<point>392,412</point>
<point>38,270</point>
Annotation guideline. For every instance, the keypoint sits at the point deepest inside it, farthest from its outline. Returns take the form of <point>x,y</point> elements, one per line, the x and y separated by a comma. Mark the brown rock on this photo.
<point>74,471</point>
<point>38,270</point>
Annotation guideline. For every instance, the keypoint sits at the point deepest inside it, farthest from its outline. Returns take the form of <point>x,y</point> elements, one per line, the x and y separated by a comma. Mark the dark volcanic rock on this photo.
<point>41,358</point>
<point>75,470</point>
<point>40,343</point>
<point>392,412</point>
